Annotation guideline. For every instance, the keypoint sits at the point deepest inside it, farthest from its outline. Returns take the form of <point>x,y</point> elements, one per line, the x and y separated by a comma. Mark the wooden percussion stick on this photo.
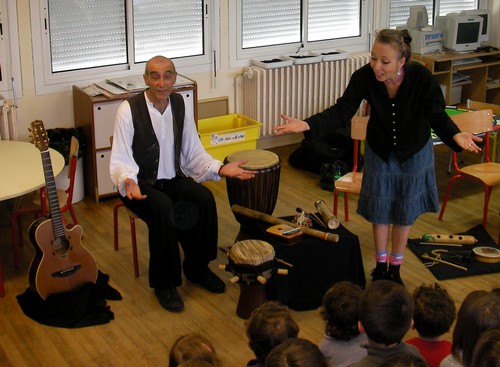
<point>436,259</point>
<point>327,236</point>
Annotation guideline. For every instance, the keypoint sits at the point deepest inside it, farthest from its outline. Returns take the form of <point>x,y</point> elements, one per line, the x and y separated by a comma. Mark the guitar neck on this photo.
<point>51,189</point>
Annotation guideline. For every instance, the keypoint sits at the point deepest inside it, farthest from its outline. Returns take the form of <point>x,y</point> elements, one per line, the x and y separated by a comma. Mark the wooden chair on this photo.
<point>351,181</point>
<point>131,217</point>
<point>36,203</point>
<point>476,106</point>
<point>487,173</point>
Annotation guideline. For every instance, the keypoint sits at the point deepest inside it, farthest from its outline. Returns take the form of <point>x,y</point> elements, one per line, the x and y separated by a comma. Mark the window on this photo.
<point>10,72</point>
<point>400,9</point>
<point>274,27</point>
<point>92,39</point>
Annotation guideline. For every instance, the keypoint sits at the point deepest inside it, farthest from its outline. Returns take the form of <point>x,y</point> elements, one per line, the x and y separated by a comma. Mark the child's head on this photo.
<point>480,310</point>
<point>403,360</point>
<point>269,325</point>
<point>340,310</point>
<point>486,351</point>
<point>435,310</point>
<point>296,352</point>
<point>192,346</point>
<point>386,311</point>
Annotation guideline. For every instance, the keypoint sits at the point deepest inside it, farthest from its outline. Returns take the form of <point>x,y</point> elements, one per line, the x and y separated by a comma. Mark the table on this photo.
<point>317,265</point>
<point>22,169</point>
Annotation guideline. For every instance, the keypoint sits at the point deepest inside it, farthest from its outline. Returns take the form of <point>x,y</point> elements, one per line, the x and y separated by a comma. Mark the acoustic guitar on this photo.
<point>61,263</point>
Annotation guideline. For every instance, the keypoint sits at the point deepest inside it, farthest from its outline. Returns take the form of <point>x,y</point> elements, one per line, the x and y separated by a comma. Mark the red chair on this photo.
<point>487,173</point>
<point>132,217</point>
<point>351,181</point>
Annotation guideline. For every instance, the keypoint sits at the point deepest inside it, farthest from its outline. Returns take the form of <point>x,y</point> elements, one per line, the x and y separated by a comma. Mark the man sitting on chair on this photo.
<point>157,164</point>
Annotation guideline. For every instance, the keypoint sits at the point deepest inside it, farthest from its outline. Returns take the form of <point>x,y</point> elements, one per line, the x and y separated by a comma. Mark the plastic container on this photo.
<point>223,135</point>
<point>272,62</point>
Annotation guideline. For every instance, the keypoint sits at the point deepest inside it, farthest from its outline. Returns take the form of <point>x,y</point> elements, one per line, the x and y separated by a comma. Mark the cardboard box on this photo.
<point>223,135</point>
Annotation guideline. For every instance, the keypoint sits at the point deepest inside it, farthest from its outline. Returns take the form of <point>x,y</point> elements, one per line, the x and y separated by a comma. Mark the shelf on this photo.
<point>442,67</point>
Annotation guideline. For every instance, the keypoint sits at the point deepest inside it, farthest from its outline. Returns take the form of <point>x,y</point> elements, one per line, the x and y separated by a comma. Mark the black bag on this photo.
<point>312,154</point>
<point>330,172</point>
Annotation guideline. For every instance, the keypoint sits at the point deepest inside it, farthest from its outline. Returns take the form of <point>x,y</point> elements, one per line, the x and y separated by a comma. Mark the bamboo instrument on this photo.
<point>327,236</point>
<point>449,238</point>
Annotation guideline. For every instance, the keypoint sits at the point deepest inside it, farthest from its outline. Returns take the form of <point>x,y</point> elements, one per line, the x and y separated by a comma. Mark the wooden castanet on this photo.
<point>449,238</point>
<point>327,236</point>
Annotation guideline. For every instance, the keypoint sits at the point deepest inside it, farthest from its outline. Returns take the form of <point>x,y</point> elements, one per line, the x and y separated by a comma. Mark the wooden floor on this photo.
<point>142,331</point>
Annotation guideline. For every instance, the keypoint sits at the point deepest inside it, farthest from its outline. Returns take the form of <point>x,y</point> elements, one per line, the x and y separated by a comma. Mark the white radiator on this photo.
<point>8,121</point>
<point>298,90</point>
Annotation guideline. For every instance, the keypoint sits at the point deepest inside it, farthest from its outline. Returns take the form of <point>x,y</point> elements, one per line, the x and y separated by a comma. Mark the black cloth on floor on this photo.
<point>463,256</point>
<point>317,264</point>
<point>85,306</point>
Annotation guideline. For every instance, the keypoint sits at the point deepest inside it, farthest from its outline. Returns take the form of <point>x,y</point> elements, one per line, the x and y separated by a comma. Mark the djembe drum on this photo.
<point>261,192</point>
<point>252,263</point>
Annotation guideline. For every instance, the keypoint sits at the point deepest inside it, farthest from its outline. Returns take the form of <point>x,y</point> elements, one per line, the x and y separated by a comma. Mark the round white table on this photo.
<point>21,168</point>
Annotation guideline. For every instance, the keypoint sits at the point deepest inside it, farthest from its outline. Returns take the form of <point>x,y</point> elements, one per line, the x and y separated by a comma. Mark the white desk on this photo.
<point>21,168</point>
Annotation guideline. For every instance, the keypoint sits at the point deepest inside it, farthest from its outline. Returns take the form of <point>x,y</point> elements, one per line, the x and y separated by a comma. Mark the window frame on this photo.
<point>47,82</point>
<point>239,57</point>
<point>11,86</point>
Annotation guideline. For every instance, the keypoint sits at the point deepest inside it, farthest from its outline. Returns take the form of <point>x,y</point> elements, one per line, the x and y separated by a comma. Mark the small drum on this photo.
<point>252,263</point>
<point>261,192</point>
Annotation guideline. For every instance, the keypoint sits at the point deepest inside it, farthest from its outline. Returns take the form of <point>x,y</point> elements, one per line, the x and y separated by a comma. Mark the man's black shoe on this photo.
<point>208,280</point>
<point>169,299</point>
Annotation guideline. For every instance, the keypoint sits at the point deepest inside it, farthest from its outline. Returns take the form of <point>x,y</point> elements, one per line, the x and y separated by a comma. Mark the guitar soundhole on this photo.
<point>61,246</point>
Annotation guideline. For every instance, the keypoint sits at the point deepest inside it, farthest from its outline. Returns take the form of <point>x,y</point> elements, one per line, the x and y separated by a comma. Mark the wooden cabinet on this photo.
<point>96,115</point>
<point>484,72</point>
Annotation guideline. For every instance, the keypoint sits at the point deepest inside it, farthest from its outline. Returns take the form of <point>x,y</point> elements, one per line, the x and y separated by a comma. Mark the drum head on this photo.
<point>251,252</point>
<point>257,158</point>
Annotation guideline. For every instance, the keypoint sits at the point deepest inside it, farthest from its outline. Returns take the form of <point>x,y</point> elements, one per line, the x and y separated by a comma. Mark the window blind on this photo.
<point>85,34</point>
<point>270,22</point>
<point>333,19</point>
<point>170,28</point>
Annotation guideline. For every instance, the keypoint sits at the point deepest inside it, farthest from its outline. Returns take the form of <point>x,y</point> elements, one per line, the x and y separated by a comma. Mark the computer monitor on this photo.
<point>461,32</point>
<point>483,13</point>
<point>418,17</point>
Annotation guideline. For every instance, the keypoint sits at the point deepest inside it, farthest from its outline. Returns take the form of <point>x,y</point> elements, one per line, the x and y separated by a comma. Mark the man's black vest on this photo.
<point>145,146</point>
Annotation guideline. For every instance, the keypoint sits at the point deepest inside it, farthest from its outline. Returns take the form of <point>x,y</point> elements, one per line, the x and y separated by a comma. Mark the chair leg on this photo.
<point>335,202</point>
<point>132,234</point>
<point>447,196</point>
<point>2,289</point>
<point>346,207</point>
<point>115,224</point>
<point>134,246</point>
<point>487,194</point>
<point>15,228</point>
<point>73,214</point>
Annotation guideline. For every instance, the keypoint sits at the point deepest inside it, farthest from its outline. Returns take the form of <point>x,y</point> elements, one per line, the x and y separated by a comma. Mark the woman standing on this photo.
<point>398,173</point>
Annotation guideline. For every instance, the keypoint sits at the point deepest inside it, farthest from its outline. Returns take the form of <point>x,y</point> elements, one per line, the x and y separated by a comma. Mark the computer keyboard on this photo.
<point>467,61</point>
